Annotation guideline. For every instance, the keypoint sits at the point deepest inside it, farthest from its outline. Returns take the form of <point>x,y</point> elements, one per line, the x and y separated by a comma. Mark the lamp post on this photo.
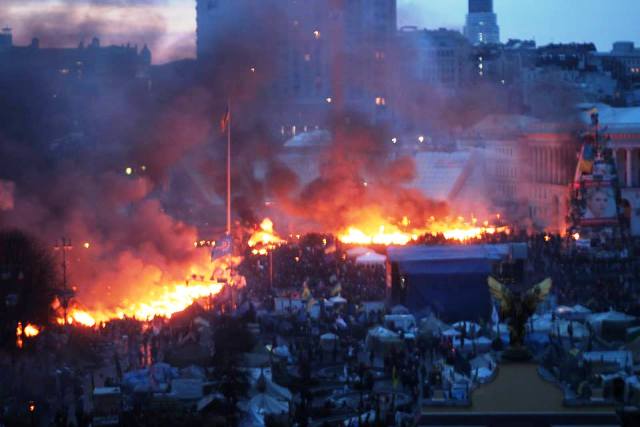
<point>66,294</point>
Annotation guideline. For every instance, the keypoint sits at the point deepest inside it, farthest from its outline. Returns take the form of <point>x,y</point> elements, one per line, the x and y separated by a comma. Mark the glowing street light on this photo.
<point>394,140</point>
<point>128,171</point>
<point>86,245</point>
<point>329,100</point>
<point>421,139</point>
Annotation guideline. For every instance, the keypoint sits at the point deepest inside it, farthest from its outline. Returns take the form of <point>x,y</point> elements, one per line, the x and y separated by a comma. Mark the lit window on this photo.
<point>307,57</point>
<point>381,101</point>
<point>316,34</point>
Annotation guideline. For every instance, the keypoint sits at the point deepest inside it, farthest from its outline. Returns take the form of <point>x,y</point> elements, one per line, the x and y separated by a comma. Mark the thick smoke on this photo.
<point>140,228</point>
<point>118,22</point>
<point>126,239</point>
<point>360,181</point>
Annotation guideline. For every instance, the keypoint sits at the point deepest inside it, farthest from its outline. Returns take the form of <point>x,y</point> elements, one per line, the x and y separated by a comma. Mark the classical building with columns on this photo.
<point>623,127</point>
<point>528,166</point>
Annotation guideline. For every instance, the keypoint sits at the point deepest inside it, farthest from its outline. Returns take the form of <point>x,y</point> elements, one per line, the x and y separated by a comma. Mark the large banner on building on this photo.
<point>599,205</point>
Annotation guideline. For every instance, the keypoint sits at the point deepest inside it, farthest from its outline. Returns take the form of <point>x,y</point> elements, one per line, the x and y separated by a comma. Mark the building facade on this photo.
<point>482,23</point>
<point>439,58</point>
<point>322,55</point>
<point>528,166</point>
<point>622,125</point>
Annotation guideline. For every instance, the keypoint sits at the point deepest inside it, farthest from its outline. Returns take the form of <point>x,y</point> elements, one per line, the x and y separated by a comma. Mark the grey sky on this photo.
<point>546,21</point>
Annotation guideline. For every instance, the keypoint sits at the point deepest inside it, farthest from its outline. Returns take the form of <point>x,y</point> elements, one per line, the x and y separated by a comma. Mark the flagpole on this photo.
<point>229,169</point>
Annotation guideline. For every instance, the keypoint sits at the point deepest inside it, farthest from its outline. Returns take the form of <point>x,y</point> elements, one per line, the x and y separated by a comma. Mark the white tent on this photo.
<point>263,404</point>
<point>468,327</point>
<point>404,322</point>
<point>328,337</point>
<point>562,326</point>
<point>480,345</point>
<point>597,319</point>
<point>451,333</point>
<point>277,391</point>
<point>381,337</point>
<point>622,358</point>
<point>399,309</point>
<point>371,258</point>
<point>338,300</point>
<point>540,323</point>
<point>357,251</point>
<point>577,312</point>
<point>433,325</point>
<point>382,333</point>
<point>282,351</point>
<point>328,341</point>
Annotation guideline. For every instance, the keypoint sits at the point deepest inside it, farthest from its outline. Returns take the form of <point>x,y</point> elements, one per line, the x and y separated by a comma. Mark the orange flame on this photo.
<point>374,233</point>
<point>29,331</point>
<point>165,302</point>
<point>265,238</point>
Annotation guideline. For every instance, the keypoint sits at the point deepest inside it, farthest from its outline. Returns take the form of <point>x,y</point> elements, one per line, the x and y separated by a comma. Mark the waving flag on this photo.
<point>222,248</point>
<point>226,118</point>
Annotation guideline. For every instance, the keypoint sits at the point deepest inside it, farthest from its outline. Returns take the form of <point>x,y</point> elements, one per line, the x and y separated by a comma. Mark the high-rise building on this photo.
<point>482,23</point>
<point>319,52</point>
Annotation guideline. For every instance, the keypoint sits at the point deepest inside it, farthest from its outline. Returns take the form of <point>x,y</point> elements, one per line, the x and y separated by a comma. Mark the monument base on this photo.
<point>516,354</point>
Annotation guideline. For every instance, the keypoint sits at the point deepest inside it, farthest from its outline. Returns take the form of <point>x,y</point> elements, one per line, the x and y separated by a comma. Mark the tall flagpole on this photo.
<point>229,168</point>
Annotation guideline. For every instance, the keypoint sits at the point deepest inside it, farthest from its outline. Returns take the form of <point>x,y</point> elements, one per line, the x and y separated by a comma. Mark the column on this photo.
<point>629,176</point>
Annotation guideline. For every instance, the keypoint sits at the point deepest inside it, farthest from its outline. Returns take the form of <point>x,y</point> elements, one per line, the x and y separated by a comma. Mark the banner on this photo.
<point>599,204</point>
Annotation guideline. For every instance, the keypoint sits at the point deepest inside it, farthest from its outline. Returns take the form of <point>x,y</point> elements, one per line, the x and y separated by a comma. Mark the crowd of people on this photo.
<point>321,267</point>
<point>318,262</point>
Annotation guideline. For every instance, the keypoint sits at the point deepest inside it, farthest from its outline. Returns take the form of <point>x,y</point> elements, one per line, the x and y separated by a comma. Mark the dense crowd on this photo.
<point>319,263</point>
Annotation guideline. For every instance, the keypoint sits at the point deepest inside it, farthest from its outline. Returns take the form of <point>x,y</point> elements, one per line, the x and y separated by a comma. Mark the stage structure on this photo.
<point>450,280</point>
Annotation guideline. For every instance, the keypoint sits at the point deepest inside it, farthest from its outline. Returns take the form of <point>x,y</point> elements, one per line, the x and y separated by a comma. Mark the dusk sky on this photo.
<point>168,26</point>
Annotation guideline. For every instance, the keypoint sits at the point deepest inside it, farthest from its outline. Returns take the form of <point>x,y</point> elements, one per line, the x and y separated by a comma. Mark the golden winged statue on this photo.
<point>516,307</point>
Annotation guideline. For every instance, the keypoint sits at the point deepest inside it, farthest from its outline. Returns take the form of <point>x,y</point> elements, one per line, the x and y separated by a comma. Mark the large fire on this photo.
<point>172,298</point>
<point>164,301</point>
<point>264,239</point>
<point>377,232</point>
<point>28,331</point>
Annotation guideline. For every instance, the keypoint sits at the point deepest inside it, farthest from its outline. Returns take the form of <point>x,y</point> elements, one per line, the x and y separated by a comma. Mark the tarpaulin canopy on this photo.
<point>328,337</point>
<point>382,333</point>
<point>371,258</point>
<point>405,322</point>
<point>399,309</point>
<point>357,251</point>
<point>612,319</point>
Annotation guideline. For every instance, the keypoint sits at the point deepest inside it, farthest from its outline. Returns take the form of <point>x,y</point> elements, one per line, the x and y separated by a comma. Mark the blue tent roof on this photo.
<point>448,253</point>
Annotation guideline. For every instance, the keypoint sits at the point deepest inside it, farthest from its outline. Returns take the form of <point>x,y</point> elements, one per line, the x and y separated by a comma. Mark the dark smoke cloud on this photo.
<point>79,190</point>
<point>113,21</point>
<point>360,181</point>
